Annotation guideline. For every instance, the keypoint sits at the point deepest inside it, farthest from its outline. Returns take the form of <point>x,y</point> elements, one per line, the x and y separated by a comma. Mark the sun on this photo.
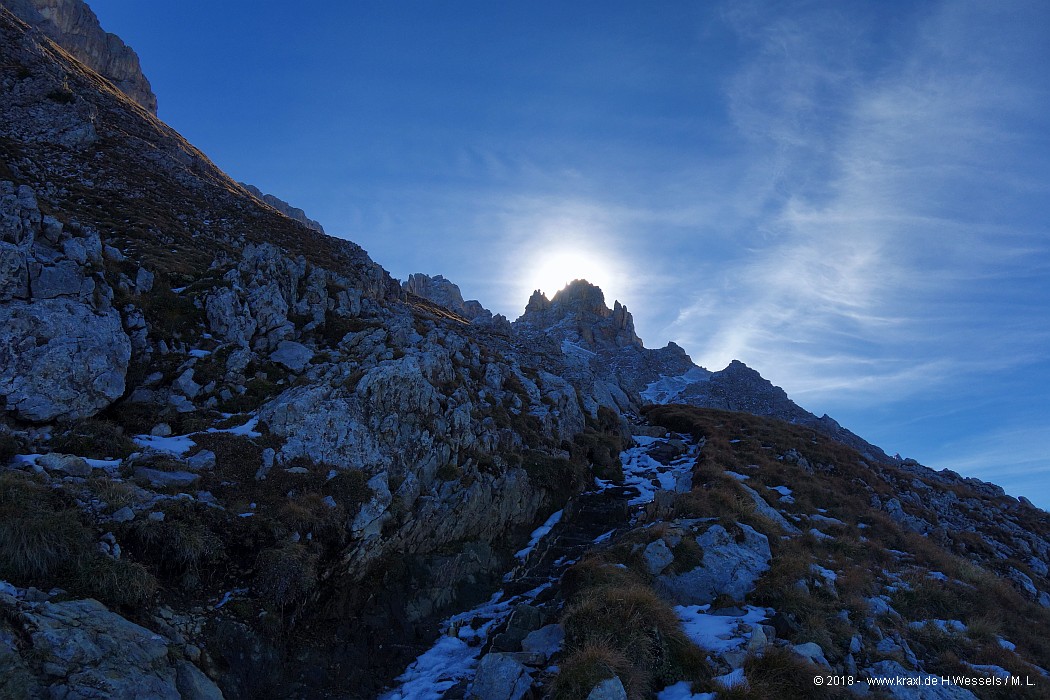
<point>549,271</point>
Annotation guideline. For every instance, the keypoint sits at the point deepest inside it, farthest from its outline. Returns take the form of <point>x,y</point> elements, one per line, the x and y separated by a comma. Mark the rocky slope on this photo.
<point>285,208</point>
<point>238,459</point>
<point>72,25</point>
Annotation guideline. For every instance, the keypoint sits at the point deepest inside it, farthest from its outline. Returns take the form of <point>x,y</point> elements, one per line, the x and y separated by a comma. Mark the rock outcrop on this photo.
<point>284,207</point>
<point>72,25</point>
<point>63,350</point>
<point>578,313</point>
<point>445,293</point>
<point>80,649</point>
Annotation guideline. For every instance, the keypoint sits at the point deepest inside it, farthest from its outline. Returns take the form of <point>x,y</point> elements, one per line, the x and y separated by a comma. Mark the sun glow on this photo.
<point>550,271</point>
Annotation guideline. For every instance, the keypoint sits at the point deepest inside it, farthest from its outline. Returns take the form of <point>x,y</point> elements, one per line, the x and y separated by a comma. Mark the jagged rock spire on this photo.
<point>579,311</point>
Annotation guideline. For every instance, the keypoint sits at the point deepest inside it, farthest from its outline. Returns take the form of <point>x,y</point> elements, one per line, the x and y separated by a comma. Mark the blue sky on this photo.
<point>852,198</point>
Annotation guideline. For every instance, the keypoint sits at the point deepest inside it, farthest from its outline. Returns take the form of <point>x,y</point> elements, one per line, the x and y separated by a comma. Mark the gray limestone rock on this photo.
<point>657,556</point>
<point>203,461</point>
<point>729,567</point>
<point>812,652</point>
<point>124,515</point>
<point>64,278</point>
<point>763,508</point>
<point>500,677</point>
<point>143,281</point>
<point>228,317</point>
<point>185,385</point>
<point>59,359</point>
<point>294,356</point>
<point>91,652</point>
<point>192,684</point>
<point>162,479</point>
<point>72,25</point>
<point>609,689</point>
<point>369,520</point>
<point>67,464</point>
<point>546,640</point>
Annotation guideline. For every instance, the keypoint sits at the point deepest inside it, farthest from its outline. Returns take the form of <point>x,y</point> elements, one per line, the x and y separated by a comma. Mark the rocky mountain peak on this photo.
<point>445,293</point>
<point>582,297</point>
<point>72,25</point>
<point>579,311</point>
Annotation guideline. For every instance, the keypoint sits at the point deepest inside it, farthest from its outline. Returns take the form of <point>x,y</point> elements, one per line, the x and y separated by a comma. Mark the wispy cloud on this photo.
<point>879,229</point>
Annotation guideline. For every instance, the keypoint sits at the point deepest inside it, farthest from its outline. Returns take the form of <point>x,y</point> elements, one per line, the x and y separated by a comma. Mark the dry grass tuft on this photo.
<point>39,537</point>
<point>588,666</point>
<point>612,608</point>
<point>780,674</point>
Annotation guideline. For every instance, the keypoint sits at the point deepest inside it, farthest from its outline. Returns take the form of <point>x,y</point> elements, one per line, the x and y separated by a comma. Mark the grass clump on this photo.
<point>780,674</point>
<point>9,447</point>
<point>286,575</point>
<point>40,538</point>
<point>602,451</point>
<point>43,542</point>
<point>557,475</point>
<point>237,457</point>
<point>182,547</point>
<point>309,513</point>
<point>94,439</point>
<point>588,666</point>
<point>115,494</point>
<point>611,609</point>
<point>116,581</point>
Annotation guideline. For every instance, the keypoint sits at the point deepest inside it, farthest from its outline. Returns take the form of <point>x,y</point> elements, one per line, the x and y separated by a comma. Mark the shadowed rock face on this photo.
<point>579,313</point>
<point>444,292</point>
<point>72,25</point>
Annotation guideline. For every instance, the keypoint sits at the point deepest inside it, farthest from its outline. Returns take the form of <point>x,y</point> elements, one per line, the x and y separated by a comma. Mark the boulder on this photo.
<point>609,689</point>
<point>811,651</point>
<point>500,677</point>
<point>546,640</point>
<point>228,317</point>
<point>657,556</point>
<point>68,464</point>
<point>60,359</point>
<point>124,515</point>
<point>294,356</point>
<point>729,567</point>
<point>90,652</point>
<point>202,461</point>
<point>193,684</point>
<point>162,479</point>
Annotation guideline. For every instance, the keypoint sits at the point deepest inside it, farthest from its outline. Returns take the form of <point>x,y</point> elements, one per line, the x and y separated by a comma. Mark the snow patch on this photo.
<point>539,533</point>
<point>719,633</point>
<point>667,389</point>
<point>682,690</point>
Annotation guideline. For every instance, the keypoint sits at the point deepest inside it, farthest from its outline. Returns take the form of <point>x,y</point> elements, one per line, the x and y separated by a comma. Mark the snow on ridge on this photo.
<point>574,349</point>
<point>667,389</point>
